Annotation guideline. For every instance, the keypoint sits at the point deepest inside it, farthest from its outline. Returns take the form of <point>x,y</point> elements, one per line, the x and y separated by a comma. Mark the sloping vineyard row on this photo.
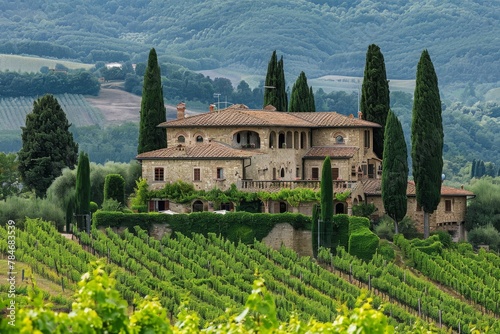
<point>409,289</point>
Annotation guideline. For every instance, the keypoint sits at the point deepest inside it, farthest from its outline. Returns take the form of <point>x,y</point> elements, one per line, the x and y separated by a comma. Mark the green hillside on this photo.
<point>214,274</point>
<point>321,37</point>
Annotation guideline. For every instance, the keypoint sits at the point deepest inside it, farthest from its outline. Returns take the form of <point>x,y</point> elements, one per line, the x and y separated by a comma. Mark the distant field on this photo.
<point>328,83</point>
<point>13,111</point>
<point>15,63</point>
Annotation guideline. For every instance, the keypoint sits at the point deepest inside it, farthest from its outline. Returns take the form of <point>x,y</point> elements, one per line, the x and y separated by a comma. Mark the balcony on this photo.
<point>275,185</point>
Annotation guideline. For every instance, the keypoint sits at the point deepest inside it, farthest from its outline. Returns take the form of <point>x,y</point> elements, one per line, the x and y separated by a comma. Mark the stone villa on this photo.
<point>269,150</point>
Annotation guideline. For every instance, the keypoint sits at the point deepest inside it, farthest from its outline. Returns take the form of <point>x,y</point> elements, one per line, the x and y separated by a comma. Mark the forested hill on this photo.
<point>318,36</point>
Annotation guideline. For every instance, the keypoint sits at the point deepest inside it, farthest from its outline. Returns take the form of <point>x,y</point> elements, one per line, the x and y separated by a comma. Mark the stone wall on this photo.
<point>284,234</point>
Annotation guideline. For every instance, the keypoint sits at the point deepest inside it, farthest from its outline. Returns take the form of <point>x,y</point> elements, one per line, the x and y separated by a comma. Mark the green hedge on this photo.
<point>340,231</point>
<point>236,226</point>
<point>358,223</point>
<point>363,243</point>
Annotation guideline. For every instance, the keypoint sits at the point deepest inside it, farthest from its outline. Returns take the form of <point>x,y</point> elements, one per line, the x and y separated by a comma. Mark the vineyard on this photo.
<point>453,291</point>
<point>13,111</point>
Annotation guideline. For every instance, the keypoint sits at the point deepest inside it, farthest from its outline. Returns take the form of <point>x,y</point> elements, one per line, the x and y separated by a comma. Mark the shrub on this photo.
<point>358,223</point>
<point>485,235</point>
<point>93,207</point>
<point>111,205</point>
<point>114,188</point>
<point>364,210</point>
<point>385,229</point>
<point>340,231</point>
<point>386,250</point>
<point>18,209</point>
<point>444,237</point>
<point>363,244</point>
<point>407,227</point>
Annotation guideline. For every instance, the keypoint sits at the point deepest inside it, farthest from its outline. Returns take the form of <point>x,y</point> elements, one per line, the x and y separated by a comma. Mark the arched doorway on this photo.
<point>197,206</point>
<point>339,208</point>
<point>283,207</point>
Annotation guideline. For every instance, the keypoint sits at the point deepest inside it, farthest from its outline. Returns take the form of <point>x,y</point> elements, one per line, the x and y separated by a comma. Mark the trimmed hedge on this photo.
<point>357,223</point>
<point>340,235</point>
<point>242,226</point>
<point>363,243</point>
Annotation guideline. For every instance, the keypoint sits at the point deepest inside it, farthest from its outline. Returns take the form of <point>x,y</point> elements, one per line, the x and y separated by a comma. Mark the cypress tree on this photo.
<point>82,189</point>
<point>153,111</point>
<point>427,139</point>
<point>275,88</point>
<point>302,98</point>
<point>326,228</point>
<point>375,101</point>
<point>395,170</point>
<point>314,229</point>
<point>48,145</point>
<point>114,188</point>
<point>473,169</point>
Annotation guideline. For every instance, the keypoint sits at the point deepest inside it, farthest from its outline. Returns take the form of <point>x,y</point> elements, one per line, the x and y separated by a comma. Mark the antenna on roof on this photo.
<point>217,95</point>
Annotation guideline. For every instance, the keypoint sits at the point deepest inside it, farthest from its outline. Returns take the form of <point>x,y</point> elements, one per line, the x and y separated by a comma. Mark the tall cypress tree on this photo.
<point>48,145</point>
<point>153,111</point>
<point>302,98</point>
<point>473,169</point>
<point>82,189</point>
<point>275,87</point>
<point>427,139</point>
<point>375,101</point>
<point>395,170</point>
<point>326,228</point>
<point>314,229</point>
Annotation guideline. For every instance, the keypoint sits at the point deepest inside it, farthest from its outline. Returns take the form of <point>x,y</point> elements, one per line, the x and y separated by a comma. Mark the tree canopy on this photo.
<point>48,145</point>
<point>394,170</point>
<point>375,101</point>
<point>153,111</point>
<point>302,98</point>
<point>427,138</point>
<point>275,86</point>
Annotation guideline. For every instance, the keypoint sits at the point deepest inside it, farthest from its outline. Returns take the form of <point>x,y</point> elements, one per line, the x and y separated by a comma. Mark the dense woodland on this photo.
<point>331,38</point>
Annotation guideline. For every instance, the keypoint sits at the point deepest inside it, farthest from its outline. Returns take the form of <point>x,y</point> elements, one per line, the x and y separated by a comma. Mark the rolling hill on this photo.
<point>320,37</point>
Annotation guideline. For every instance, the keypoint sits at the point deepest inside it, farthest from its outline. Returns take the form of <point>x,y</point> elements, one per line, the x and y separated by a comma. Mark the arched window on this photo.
<point>199,139</point>
<point>289,139</point>
<point>181,139</point>
<point>238,138</point>
<point>303,140</point>
<point>339,139</point>
<point>281,140</point>
<point>296,140</point>
<point>272,139</point>
<point>282,173</point>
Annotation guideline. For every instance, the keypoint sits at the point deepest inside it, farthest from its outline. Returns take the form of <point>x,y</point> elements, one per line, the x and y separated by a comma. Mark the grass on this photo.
<point>15,63</point>
<point>51,288</point>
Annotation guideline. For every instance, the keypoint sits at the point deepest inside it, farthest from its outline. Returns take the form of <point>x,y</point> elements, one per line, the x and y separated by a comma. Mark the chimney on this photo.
<point>360,115</point>
<point>181,110</point>
<point>211,107</point>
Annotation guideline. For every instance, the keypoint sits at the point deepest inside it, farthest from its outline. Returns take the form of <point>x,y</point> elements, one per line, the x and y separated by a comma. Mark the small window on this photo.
<point>282,173</point>
<point>181,139</point>
<point>447,205</point>
<point>220,173</point>
<point>199,139</point>
<point>339,139</point>
<point>297,172</point>
<point>159,174</point>
<point>315,173</point>
<point>367,139</point>
<point>196,174</point>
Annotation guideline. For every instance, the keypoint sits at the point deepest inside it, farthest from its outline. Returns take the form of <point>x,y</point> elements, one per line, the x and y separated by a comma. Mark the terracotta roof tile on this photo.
<point>340,151</point>
<point>373,187</point>
<point>330,118</point>
<point>213,150</point>
<point>240,115</point>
